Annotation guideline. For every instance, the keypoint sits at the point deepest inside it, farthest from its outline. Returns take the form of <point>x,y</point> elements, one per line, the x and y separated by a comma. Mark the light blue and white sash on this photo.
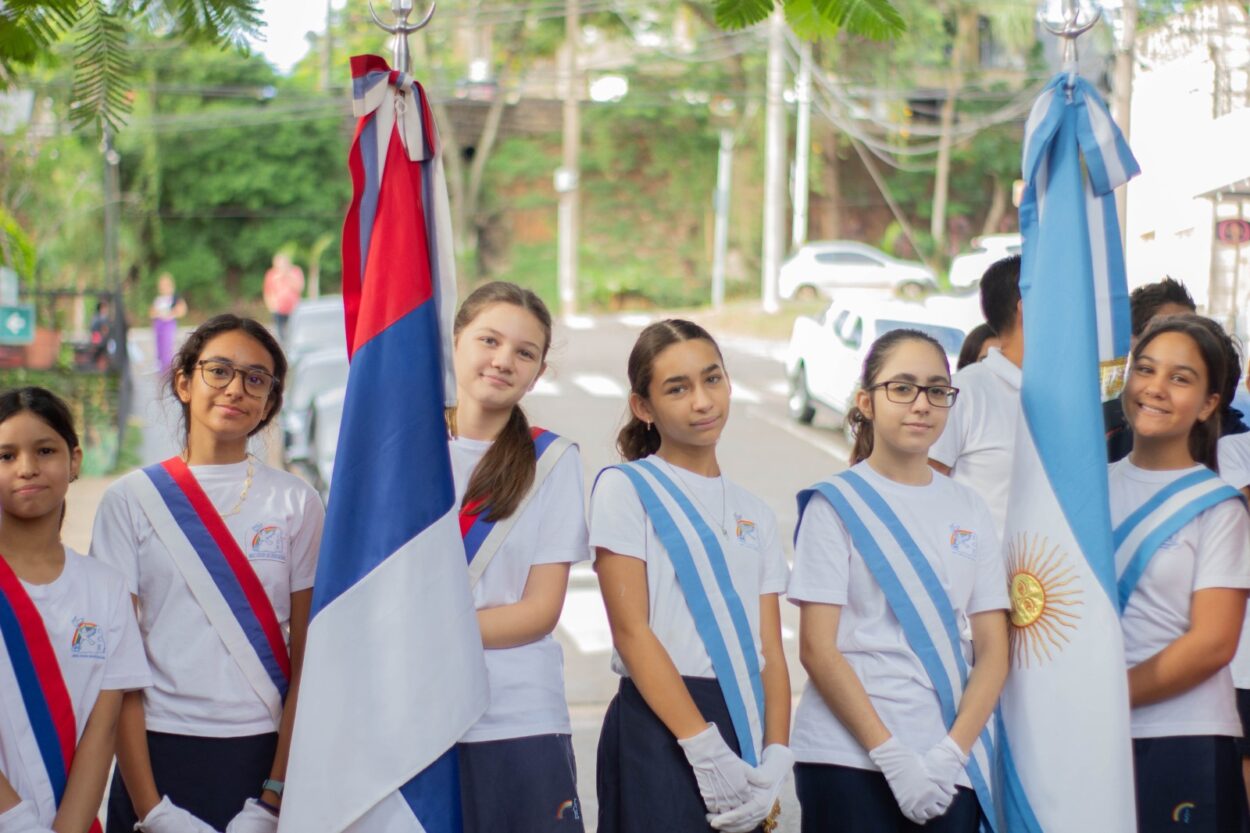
<point>917,599</point>
<point>1141,534</point>
<point>483,538</point>
<point>718,611</point>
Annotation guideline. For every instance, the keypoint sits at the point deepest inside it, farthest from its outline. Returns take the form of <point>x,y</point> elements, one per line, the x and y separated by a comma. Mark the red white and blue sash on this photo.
<point>482,538</point>
<point>218,575</point>
<point>1139,536</point>
<point>48,706</point>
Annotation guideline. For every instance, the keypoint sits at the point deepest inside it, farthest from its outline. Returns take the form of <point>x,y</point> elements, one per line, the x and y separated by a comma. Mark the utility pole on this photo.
<point>720,246</point>
<point>327,50</point>
<point>774,164</point>
<point>802,146</point>
<point>112,277</point>
<point>566,177</point>
<point>1122,97</point>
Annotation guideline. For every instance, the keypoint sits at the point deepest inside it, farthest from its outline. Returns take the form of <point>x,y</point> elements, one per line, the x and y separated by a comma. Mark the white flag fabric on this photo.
<point>1067,762</point>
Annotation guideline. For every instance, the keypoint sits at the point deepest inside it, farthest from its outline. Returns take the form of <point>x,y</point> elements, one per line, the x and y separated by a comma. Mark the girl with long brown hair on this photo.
<point>521,497</point>
<point>691,568</point>
<point>1183,565</point>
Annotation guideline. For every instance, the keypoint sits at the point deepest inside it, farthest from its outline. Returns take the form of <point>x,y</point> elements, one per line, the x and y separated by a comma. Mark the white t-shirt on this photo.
<point>91,625</point>
<point>979,442</point>
<point>198,688</point>
<point>527,682</point>
<point>753,553</point>
<point>1212,550</point>
<point>829,570</point>
<point>1234,456</point>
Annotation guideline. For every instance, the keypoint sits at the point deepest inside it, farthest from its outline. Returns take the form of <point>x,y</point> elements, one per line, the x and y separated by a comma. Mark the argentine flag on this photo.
<point>393,672</point>
<point>1065,706</point>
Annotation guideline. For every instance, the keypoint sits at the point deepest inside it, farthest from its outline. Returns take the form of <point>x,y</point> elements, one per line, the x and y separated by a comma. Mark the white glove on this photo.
<point>21,818</point>
<point>918,795</point>
<point>168,817</point>
<point>945,762</point>
<point>253,818</point>
<point>766,781</point>
<point>722,775</point>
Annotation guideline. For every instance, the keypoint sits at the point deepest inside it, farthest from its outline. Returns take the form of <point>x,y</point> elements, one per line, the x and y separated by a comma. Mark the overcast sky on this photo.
<point>286,24</point>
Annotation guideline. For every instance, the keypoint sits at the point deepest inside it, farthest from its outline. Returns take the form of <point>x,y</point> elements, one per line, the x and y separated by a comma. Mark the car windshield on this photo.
<point>950,338</point>
<point>318,377</point>
<point>321,326</point>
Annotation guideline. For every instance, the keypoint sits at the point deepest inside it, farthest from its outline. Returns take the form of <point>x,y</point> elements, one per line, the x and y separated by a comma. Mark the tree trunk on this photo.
<point>831,216</point>
<point>965,30</point>
<point>998,207</point>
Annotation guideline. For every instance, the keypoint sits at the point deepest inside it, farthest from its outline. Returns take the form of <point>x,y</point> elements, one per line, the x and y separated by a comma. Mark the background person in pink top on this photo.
<point>284,284</point>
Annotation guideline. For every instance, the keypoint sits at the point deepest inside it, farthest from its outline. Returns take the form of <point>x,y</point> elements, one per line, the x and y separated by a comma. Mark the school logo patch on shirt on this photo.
<point>268,543</point>
<point>746,532</point>
<point>88,641</point>
<point>963,542</point>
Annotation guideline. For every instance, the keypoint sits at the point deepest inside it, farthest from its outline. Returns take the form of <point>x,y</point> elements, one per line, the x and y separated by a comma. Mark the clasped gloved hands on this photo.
<point>923,786</point>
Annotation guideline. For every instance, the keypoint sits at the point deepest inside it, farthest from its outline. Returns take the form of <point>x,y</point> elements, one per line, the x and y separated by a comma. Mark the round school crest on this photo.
<point>1045,599</point>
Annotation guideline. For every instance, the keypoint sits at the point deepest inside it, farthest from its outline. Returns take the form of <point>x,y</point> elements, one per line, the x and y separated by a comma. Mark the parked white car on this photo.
<point>826,353</point>
<point>315,325</point>
<point>314,374</point>
<point>824,268</point>
<point>967,268</point>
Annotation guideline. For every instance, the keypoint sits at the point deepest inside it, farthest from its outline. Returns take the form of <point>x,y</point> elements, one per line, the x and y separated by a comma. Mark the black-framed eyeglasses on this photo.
<point>218,374</point>
<point>905,393</point>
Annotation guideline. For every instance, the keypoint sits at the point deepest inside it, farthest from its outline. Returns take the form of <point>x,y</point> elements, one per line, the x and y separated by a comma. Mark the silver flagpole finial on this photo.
<point>1072,29</point>
<point>401,29</point>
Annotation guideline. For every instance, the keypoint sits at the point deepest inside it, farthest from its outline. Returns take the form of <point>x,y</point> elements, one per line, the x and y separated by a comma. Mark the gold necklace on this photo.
<point>247,487</point>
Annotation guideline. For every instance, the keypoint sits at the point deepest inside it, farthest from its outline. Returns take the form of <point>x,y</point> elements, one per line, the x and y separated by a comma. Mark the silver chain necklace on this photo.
<point>724,500</point>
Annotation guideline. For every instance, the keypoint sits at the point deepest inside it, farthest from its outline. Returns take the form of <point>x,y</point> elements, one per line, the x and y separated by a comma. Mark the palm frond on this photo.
<point>875,19</point>
<point>205,21</point>
<point>101,67</point>
<point>807,21</point>
<point>29,27</point>
<point>739,14</point>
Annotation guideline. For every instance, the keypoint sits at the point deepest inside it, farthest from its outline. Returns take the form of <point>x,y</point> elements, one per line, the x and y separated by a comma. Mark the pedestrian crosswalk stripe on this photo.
<point>544,387</point>
<point>744,394</point>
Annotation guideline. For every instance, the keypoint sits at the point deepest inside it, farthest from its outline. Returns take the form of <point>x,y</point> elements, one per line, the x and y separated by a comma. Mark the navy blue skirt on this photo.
<point>1191,783</point>
<point>644,782</point>
<point>520,785</point>
<point>852,800</point>
<point>208,777</point>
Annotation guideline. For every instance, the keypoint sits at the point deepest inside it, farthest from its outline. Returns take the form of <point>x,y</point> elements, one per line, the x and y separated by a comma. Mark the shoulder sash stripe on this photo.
<point>1140,535</point>
<point>699,603</point>
<point>482,538</point>
<point>44,693</point>
<point>226,564</point>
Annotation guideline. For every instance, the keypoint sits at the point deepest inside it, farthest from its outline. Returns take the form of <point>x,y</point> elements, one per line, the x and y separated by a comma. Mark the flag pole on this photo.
<point>1072,29</point>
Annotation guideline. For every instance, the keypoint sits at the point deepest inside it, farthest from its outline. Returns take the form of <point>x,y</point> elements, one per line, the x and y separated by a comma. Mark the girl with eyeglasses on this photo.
<point>219,552</point>
<point>900,582</point>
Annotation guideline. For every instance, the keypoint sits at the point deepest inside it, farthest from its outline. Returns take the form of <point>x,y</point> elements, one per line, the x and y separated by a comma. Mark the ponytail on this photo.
<point>861,428</point>
<point>637,440</point>
<point>507,469</point>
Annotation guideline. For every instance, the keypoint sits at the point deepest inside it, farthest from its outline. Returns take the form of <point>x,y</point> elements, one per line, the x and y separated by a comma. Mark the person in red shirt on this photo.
<point>284,284</point>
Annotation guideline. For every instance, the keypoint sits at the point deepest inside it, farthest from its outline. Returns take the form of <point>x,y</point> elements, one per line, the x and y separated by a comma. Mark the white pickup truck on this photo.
<point>826,353</point>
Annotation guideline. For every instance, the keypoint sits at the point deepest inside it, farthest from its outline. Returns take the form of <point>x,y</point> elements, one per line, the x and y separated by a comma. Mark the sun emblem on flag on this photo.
<point>1045,599</point>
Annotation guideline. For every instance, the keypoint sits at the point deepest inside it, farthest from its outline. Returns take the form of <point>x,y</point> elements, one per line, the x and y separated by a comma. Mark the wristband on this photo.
<point>273,786</point>
<point>269,807</point>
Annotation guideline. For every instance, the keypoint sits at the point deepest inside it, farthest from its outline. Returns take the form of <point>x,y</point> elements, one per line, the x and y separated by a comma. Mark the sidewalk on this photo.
<point>80,507</point>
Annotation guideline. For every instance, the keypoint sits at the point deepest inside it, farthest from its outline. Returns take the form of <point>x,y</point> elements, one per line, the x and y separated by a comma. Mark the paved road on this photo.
<point>582,396</point>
